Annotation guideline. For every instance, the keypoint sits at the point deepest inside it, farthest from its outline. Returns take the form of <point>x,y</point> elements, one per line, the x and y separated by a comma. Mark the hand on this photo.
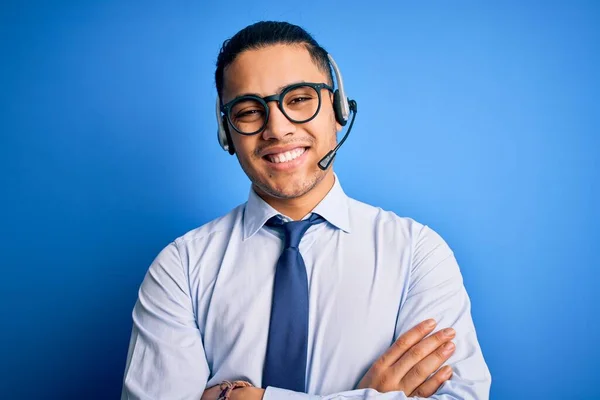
<point>247,393</point>
<point>407,364</point>
<point>211,393</point>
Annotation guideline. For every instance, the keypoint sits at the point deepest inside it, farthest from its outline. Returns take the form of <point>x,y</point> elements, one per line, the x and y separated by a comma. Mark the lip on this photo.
<point>288,165</point>
<point>282,149</point>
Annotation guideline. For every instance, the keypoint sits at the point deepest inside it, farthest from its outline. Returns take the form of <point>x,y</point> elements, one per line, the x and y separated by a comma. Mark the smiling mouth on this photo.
<point>286,156</point>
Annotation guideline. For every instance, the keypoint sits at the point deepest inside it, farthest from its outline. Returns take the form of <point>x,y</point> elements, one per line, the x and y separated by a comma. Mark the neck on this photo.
<point>298,207</point>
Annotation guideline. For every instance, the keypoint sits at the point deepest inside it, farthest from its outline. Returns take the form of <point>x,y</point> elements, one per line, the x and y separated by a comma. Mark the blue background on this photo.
<point>479,120</point>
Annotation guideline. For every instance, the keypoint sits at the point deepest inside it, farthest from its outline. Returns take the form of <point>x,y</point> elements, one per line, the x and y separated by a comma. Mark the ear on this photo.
<point>228,135</point>
<point>338,126</point>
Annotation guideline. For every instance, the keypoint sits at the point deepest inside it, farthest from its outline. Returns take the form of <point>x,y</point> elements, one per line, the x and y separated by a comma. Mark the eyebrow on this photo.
<point>279,90</point>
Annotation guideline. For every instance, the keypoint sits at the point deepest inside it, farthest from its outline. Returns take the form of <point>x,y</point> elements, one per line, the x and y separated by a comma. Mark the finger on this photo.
<point>423,369</point>
<point>211,393</point>
<point>405,342</point>
<point>421,350</point>
<point>431,385</point>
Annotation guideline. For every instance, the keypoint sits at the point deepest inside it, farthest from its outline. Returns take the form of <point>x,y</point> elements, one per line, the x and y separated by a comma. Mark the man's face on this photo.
<point>264,72</point>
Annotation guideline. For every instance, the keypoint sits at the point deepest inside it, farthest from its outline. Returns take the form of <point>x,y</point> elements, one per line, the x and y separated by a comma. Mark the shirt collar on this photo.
<point>333,207</point>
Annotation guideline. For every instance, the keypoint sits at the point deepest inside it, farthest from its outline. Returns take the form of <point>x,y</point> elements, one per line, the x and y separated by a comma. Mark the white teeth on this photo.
<point>287,156</point>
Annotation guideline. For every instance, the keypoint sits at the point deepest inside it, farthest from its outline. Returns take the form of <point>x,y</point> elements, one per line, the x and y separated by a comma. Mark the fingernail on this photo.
<point>447,372</point>
<point>448,332</point>
<point>448,347</point>
<point>430,323</point>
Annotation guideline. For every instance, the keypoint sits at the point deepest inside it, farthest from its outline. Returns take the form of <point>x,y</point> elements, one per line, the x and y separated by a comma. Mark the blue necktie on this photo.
<point>285,362</point>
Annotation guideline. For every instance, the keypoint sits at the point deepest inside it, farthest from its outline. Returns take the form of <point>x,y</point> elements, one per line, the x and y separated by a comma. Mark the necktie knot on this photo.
<point>294,230</point>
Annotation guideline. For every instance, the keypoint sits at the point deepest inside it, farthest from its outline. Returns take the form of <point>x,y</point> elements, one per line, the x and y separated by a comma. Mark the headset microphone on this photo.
<point>328,159</point>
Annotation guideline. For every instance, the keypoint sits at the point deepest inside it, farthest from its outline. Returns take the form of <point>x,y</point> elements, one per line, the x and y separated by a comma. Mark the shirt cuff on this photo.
<point>273,393</point>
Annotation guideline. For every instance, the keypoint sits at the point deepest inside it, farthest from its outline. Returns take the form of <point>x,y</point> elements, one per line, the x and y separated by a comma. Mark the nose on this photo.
<point>278,126</point>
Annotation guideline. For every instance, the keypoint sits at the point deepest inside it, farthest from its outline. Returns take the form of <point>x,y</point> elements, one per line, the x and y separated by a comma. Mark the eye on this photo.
<point>300,96</point>
<point>246,109</point>
<point>300,99</point>
<point>248,114</point>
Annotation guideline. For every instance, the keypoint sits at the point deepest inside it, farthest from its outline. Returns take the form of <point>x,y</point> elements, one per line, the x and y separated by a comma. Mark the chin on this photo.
<point>288,187</point>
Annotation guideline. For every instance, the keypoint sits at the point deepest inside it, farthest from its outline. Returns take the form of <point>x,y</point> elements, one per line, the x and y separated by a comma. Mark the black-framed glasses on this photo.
<point>299,103</point>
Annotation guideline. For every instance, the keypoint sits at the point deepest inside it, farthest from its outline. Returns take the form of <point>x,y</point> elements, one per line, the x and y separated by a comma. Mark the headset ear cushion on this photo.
<point>228,135</point>
<point>337,108</point>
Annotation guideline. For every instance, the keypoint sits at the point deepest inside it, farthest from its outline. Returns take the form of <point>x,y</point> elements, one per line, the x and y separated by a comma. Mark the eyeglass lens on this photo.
<point>299,104</point>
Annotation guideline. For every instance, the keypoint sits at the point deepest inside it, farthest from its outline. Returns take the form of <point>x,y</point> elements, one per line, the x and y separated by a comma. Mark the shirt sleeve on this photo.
<point>166,358</point>
<point>436,291</point>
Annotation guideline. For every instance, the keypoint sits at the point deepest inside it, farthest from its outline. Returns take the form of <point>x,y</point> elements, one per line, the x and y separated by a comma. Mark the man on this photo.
<point>301,291</point>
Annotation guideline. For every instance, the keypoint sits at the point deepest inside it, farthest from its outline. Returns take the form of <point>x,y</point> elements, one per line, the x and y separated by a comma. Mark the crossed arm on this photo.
<point>405,367</point>
<point>166,357</point>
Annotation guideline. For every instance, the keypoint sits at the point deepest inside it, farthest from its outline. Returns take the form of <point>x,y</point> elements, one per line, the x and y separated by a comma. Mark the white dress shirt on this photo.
<point>203,310</point>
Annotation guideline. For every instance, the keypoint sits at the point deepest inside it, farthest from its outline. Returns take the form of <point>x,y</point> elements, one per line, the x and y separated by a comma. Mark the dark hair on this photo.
<point>265,33</point>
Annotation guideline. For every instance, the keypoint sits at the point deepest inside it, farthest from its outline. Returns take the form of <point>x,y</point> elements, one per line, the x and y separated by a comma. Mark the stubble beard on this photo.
<point>263,184</point>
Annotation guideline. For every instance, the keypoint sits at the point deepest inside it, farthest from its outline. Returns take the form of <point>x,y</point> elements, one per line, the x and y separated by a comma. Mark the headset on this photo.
<point>342,106</point>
